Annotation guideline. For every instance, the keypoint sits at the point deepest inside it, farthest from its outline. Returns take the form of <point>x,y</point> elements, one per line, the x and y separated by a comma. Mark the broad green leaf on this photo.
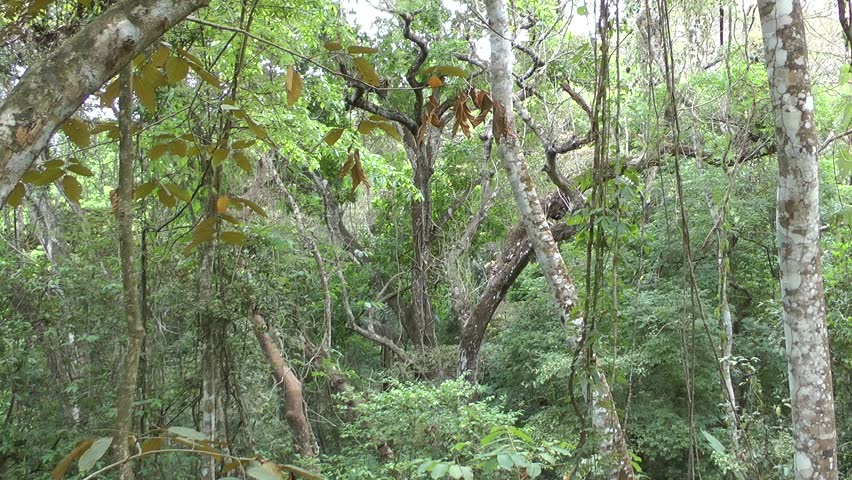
<point>77,131</point>
<point>715,444</point>
<point>72,188</point>
<point>520,434</point>
<point>451,71</point>
<point>54,164</point>
<point>94,453</point>
<point>74,454</point>
<point>368,74</point>
<point>16,196</point>
<point>519,460</point>
<point>176,69</point>
<point>467,473</point>
<point>265,471</point>
<point>455,471</point>
<point>358,49</point>
<point>505,461</point>
<point>187,432</point>
<point>582,10</point>
<point>534,470</point>
<point>439,470</point>
<point>152,77</point>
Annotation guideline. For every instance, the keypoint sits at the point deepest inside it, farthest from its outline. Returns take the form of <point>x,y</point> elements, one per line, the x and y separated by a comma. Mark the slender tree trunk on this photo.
<point>72,72</point>
<point>294,402</point>
<point>797,224</point>
<point>604,417</point>
<point>135,331</point>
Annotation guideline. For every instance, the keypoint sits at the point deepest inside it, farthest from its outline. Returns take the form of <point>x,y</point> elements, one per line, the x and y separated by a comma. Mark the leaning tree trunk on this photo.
<point>294,402</point>
<point>797,224</point>
<point>132,308</point>
<point>604,417</point>
<point>81,65</point>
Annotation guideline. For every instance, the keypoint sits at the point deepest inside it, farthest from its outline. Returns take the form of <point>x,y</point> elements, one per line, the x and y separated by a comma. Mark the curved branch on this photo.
<point>422,54</point>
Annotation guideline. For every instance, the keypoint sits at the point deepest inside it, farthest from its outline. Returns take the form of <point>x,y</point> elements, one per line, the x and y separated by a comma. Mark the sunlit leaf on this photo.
<point>152,77</point>
<point>72,188</point>
<point>110,94</point>
<point>205,75</point>
<point>94,453</point>
<point>77,131</point>
<point>390,130</point>
<point>145,93</point>
<point>368,74</point>
<point>233,237</point>
<point>176,69</point>
<point>74,454</point>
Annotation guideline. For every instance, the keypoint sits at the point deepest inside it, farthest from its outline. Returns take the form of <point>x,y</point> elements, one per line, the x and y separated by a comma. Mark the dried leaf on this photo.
<point>434,82</point>
<point>77,131</point>
<point>333,136</point>
<point>72,188</point>
<point>368,74</point>
<point>294,85</point>
<point>151,444</point>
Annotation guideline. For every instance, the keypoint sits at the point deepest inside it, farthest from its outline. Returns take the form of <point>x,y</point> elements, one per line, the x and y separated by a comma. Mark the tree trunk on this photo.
<point>604,417</point>
<point>72,72</point>
<point>132,309</point>
<point>294,402</point>
<point>797,224</point>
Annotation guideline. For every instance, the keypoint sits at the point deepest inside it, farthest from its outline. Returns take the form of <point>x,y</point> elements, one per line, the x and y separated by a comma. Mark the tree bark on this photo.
<point>294,402</point>
<point>604,417</point>
<point>132,308</point>
<point>72,72</point>
<point>797,225</point>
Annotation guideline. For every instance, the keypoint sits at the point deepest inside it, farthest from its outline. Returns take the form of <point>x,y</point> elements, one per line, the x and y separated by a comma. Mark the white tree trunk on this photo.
<point>809,363</point>
<point>80,66</point>
<point>604,418</point>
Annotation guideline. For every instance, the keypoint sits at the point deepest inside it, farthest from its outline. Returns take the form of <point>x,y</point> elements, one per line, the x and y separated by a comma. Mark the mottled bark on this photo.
<point>294,402</point>
<point>797,225</point>
<point>126,247</point>
<point>72,72</point>
<point>604,417</point>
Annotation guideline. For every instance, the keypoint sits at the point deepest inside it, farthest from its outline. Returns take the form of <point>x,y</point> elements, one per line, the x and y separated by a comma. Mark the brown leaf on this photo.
<point>434,82</point>
<point>358,49</point>
<point>333,46</point>
<point>294,85</point>
<point>77,131</point>
<point>221,204</point>
<point>72,188</point>
<point>500,125</point>
<point>16,196</point>
<point>333,136</point>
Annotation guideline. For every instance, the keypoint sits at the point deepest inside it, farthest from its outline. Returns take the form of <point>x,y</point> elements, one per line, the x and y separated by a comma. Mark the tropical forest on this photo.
<point>426,239</point>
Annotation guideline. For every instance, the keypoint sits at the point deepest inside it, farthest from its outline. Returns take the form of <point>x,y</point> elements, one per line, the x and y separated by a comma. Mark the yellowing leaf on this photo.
<point>16,196</point>
<point>178,148</point>
<point>366,70</point>
<point>253,206</point>
<point>219,155</point>
<point>242,160</point>
<point>158,151</point>
<point>176,190</point>
<point>110,94</point>
<point>221,204</point>
<point>243,144</point>
<point>151,444</point>
<point>46,177</point>
<point>77,131</point>
<point>74,454</point>
<point>358,49</point>
<point>145,93</point>
<point>166,199</point>
<point>333,136</point>
<point>205,75</point>
<point>333,46</point>
<point>229,218</point>
<point>158,58</point>
<point>366,127</point>
<point>434,82</point>
<point>80,170</point>
<point>144,190</point>
<point>176,69</point>
<point>72,188</point>
<point>390,130</point>
<point>451,71</point>
<point>203,232</point>
<point>54,164</point>
<point>152,77</point>
<point>294,85</point>
<point>233,237</point>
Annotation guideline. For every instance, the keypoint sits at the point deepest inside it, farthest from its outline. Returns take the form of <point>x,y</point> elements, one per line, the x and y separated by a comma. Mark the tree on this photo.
<point>798,230</point>
<point>73,71</point>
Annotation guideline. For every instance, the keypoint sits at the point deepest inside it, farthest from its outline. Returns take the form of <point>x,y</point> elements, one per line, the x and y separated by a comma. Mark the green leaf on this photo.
<point>520,434</point>
<point>451,71</point>
<point>16,196</point>
<point>176,69</point>
<point>583,10</point>
<point>519,460</point>
<point>77,131</point>
<point>467,473</point>
<point>72,188</point>
<point>715,444</point>
<point>260,471</point>
<point>187,432</point>
<point>146,94</point>
<point>455,471</point>
<point>176,190</point>
<point>505,461</point>
<point>94,453</point>
<point>534,470</point>
<point>439,470</point>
